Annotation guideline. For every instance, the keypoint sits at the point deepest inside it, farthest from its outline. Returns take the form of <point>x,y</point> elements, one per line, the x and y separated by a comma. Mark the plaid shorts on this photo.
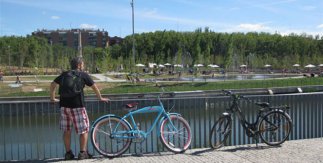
<point>77,116</point>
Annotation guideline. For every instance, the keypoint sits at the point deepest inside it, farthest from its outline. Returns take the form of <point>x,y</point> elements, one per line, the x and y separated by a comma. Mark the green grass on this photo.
<point>33,78</point>
<point>189,86</point>
<point>126,87</point>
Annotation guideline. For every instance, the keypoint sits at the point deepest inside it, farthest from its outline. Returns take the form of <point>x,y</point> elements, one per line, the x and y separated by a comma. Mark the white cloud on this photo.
<point>320,26</point>
<point>55,17</point>
<point>308,8</point>
<point>91,8</point>
<point>252,27</point>
<point>155,16</point>
<point>234,8</point>
<point>88,26</point>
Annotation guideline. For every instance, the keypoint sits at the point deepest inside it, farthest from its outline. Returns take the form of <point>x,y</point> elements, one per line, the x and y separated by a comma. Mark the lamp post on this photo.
<point>133,32</point>
<point>80,43</point>
<point>9,58</point>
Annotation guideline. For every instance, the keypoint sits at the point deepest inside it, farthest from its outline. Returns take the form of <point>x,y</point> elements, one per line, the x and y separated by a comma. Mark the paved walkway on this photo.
<point>103,78</point>
<point>296,151</point>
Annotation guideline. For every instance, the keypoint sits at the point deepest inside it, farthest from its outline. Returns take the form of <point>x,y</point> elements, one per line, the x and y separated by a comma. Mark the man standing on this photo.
<point>71,84</point>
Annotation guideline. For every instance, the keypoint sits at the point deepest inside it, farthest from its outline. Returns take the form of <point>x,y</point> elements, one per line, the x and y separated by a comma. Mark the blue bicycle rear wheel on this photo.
<point>110,136</point>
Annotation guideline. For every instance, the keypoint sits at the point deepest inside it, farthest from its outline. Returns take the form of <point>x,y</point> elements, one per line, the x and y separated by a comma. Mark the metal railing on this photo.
<point>29,130</point>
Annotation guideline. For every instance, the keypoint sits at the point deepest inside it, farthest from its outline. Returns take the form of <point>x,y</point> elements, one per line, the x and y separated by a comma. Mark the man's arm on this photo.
<point>53,86</point>
<point>98,94</point>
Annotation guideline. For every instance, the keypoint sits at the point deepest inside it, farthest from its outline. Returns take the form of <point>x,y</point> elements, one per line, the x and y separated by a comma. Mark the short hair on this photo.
<point>75,62</point>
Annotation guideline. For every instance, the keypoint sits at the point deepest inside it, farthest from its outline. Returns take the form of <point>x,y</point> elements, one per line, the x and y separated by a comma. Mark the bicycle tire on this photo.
<point>102,140</point>
<point>275,128</point>
<point>220,132</point>
<point>171,139</point>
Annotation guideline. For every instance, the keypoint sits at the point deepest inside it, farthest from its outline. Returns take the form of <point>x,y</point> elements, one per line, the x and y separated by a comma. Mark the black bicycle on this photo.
<point>273,124</point>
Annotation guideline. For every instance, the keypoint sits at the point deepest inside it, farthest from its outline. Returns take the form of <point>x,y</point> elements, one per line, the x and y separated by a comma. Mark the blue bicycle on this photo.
<point>112,135</point>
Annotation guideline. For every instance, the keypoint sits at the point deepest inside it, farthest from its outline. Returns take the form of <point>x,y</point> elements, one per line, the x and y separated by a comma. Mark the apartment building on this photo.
<point>70,38</point>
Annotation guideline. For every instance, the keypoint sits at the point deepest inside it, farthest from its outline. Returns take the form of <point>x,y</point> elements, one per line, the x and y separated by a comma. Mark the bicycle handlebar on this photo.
<point>235,96</point>
<point>227,92</point>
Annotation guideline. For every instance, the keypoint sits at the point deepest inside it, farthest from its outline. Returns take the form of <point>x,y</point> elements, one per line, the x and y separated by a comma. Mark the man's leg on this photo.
<point>69,155</point>
<point>83,141</point>
<point>67,140</point>
<point>81,124</point>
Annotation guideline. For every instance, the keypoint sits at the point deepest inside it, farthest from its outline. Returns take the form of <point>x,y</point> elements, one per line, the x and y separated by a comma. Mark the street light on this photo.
<point>9,58</point>
<point>133,32</point>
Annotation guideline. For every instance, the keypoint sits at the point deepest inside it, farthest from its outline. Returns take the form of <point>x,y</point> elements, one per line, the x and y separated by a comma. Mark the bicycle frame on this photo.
<point>235,108</point>
<point>162,114</point>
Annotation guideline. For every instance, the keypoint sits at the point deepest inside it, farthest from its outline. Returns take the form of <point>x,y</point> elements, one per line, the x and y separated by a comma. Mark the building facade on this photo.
<point>115,40</point>
<point>70,38</point>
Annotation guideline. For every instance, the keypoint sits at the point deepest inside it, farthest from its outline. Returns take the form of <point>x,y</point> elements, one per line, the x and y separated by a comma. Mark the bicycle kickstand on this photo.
<point>257,143</point>
<point>139,147</point>
<point>257,140</point>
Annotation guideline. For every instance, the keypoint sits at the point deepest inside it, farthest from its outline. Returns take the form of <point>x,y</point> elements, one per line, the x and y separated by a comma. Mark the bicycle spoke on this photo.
<point>175,134</point>
<point>219,132</point>
<point>101,131</point>
<point>106,139</point>
<point>274,129</point>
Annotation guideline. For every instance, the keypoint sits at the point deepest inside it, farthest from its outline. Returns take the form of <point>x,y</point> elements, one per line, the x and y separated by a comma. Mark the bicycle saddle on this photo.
<point>131,105</point>
<point>262,104</point>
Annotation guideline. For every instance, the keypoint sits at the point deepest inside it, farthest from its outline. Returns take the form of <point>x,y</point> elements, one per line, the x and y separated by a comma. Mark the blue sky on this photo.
<point>22,17</point>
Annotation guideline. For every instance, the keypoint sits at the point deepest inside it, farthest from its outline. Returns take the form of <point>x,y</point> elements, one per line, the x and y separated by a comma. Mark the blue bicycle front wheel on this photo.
<point>175,134</point>
<point>110,136</point>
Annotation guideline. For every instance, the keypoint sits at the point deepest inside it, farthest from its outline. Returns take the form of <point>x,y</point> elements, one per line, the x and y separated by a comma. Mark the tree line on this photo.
<point>228,50</point>
<point>33,54</point>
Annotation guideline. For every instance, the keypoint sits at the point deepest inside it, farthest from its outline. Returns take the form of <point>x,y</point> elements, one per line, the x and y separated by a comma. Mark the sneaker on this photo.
<point>69,155</point>
<point>84,155</point>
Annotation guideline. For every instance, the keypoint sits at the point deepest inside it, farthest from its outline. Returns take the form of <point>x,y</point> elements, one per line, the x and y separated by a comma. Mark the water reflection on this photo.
<point>229,77</point>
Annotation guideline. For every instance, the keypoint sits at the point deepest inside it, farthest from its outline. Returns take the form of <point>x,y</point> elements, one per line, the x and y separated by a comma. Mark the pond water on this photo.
<point>231,77</point>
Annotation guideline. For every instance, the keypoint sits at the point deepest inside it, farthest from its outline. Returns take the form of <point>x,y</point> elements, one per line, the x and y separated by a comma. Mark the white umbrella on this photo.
<point>320,65</point>
<point>161,65</point>
<point>309,66</point>
<point>213,66</point>
<point>243,65</point>
<point>167,64</point>
<point>140,65</point>
<point>198,65</point>
<point>267,65</point>
<point>151,65</point>
<point>296,65</point>
<point>177,65</point>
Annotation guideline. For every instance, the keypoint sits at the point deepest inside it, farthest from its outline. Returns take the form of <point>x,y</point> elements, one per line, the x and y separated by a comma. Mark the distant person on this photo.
<point>71,84</point>
<point>180,74</point>
<point>1,75</point>
<point>18,80</point>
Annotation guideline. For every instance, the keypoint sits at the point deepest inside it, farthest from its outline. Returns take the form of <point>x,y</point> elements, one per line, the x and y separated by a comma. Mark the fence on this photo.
<point>30,130</point>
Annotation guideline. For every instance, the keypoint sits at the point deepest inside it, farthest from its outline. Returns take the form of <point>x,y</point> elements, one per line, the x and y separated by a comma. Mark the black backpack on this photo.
<point>71,84</point>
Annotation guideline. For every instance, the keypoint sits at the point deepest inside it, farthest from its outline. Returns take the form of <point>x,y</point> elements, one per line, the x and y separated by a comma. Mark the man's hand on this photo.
<point>53,86</point>
<point>54,100</point>
<point>104,99</point>
<point>98,94</point>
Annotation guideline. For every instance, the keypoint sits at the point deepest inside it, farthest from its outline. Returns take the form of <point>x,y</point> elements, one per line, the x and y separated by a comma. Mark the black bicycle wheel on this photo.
<point>275,128</point>
<point>106,143</point>
<point>220,132</point>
